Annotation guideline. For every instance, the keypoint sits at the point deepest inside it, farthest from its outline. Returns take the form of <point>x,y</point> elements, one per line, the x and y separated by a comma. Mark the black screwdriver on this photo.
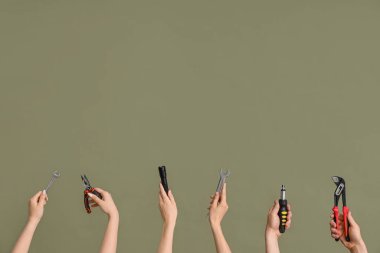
<point>164,180</point>
<point>283,212</point>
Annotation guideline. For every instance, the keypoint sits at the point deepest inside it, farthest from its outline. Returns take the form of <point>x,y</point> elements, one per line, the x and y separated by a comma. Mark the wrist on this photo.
<point>113,212</point>
<point>215,225</point>
<point>169,225</point>
<point>34,220</point>
<point>271,234</point>
<point>359,247</point>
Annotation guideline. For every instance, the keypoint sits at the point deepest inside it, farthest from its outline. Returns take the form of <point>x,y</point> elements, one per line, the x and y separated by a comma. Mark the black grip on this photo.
<point>348,239</point>
<point>95,192</point>
<point>86,203</point>
<point>283,214</point>
<point>164,180</point>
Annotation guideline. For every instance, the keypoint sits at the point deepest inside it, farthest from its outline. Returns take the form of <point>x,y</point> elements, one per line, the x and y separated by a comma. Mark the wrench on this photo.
<point>223,177</point>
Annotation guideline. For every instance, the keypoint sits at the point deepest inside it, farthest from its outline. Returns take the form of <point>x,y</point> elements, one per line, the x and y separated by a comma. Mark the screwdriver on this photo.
<point>283,212</point>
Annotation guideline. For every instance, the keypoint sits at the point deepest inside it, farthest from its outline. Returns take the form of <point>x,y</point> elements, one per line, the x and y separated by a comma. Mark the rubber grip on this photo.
<point>86,203</point>
<point>346,223</point>
<point>164,180</point>
<point>336,218</point>
<point>283,214</point>
<point>95,192</point>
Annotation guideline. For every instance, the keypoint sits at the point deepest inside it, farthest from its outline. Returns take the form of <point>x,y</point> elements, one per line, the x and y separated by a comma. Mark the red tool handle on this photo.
<point>336,218</point>
<point>346,223</point>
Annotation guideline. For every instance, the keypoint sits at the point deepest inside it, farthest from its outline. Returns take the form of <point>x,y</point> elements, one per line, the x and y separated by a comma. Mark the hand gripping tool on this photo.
<point>88,189</point>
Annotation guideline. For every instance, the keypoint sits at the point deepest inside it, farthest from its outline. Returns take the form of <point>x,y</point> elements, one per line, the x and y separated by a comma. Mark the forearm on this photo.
<point>271,243</point>
<point>109,244</point>
<point>166,242</point>
<point>220,242</point>
<point>23,243</point>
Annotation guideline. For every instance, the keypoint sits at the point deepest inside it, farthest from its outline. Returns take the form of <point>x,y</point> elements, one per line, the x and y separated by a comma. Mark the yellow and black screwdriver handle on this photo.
<point>283,212</point>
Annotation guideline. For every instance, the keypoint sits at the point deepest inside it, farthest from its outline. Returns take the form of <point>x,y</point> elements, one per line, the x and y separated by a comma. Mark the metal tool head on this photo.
<point>85,181</point>
<point>54,176</point>
<point>340,189</point>
<point>337,180</point>
<point>225,173</point>
<point>223,177</point>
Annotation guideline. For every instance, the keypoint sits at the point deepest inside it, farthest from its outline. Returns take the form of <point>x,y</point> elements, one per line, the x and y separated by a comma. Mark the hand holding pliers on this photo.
<point>89,189</point>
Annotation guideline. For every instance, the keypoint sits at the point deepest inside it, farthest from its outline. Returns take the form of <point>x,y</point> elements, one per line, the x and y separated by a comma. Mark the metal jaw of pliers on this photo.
<point>341,191</point>
<point>223,177</point>
<point>88,189</point>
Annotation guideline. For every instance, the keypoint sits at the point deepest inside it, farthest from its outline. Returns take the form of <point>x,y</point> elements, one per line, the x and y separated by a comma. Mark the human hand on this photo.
<point>218,207</point>
<point>106,204</point>
<point>273,221</point>
<point>36,206</point>
<point>168,207</point>
<point>356,243</point>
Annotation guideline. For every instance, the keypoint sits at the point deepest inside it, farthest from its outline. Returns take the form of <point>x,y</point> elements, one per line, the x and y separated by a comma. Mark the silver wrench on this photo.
<point>223,177</point>
<point>54,176</point>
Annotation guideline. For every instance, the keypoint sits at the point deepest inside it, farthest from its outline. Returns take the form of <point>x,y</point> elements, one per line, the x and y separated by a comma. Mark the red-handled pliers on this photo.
<point>341,191</point>
<point>88,189</point>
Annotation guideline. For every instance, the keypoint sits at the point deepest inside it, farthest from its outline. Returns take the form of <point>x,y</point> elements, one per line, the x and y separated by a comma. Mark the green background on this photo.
<point>279,92</point>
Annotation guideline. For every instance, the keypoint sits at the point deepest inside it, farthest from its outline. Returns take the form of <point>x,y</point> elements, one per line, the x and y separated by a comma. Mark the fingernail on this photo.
<point>44,192</point>
<point>90,194</point>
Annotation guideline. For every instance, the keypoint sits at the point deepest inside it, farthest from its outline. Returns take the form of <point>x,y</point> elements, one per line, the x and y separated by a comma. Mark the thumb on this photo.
<point>171,196</point>
<point>215,200</point>
<point>276,207</point>
<point>351,219</point>
<point>42,199</point>
<point>95,198</point>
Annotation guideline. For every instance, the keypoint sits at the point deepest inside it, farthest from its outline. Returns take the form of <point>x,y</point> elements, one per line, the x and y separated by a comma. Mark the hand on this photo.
<point>168,207</point>
<point>273,221</point>
<point>356,243</point>
<point>36,206</point>
<point>218,207</point>
<point>106,204</point>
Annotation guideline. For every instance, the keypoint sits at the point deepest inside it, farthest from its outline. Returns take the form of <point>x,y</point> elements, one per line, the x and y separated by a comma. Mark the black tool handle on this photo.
<point>283,214</point>
<point>164,180</point>
<point>95,192</point>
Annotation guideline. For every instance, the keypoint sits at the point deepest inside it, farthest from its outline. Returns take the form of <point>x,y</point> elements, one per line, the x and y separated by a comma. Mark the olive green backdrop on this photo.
<point>279,92</point>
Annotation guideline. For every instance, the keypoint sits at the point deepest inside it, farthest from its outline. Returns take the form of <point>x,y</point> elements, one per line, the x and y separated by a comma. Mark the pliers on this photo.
<point>341,191</point>
<point>88,189</point>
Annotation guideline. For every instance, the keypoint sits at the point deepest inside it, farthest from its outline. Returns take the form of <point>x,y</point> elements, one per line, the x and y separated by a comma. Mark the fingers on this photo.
<point>223,198</point>
<point>215,200</point>
<point>276,207</point>
<point>335,233</point>
<point>96,198</point>
<point>35,198</point>
<point>163,194</point>
<point>289,218</point>
<point>332,224</point>
<point>42,198</point>
<point>171,196</point>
